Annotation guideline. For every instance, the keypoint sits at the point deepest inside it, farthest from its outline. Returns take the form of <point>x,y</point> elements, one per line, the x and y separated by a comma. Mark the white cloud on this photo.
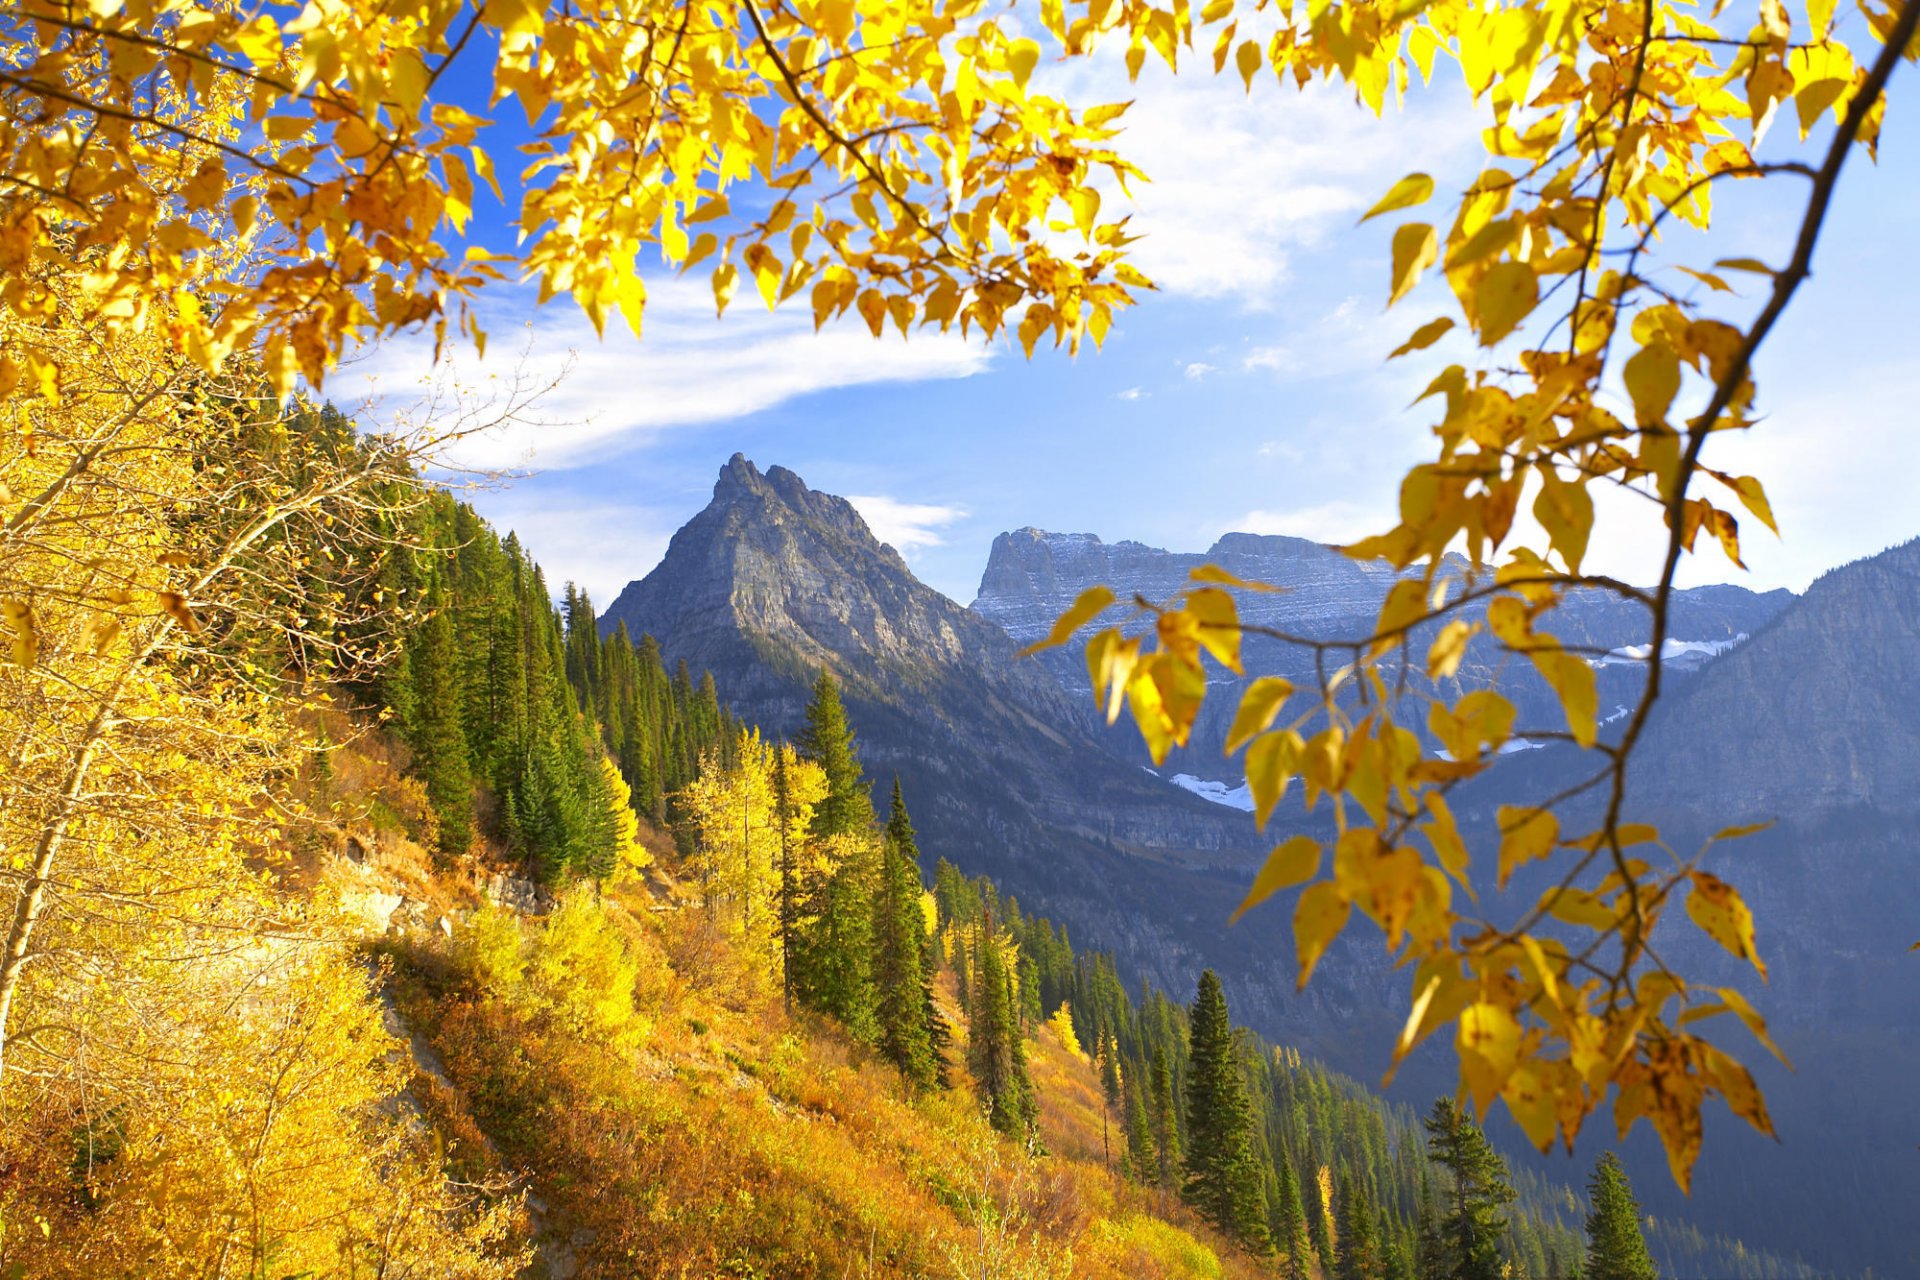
<point>1131,393</point>
<point>1199,369</point>
<point>609,395</point>
<point>906,526</point>
<point>1278,359</point>
<point>601,546</point>
<point>1241,181</point>
<point>1337,521</point>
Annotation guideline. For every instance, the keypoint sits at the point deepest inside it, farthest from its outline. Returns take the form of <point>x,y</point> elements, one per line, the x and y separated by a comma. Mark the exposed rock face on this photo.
<point>1819,710</point>
<point>1813,723</point>
<point>1002,767</point>
<point>1033,576</point>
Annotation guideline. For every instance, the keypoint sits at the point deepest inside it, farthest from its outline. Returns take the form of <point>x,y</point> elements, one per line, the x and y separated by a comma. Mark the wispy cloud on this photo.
<point>1199,369</point>
<point>1239,181</point>
<point>1338,521</point>
<point>611,395</point>
<point>598,545</point>
<point>906,526</point>
<point>1132,393</point>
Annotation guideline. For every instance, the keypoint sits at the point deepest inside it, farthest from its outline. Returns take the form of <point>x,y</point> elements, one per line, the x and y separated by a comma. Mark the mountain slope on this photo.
<point>1032,576</point>
<point>1812,724</point>
<point>773,581</point>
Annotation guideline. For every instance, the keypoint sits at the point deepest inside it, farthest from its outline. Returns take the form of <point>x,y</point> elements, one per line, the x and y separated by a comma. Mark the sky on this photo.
<point>1250,392</point>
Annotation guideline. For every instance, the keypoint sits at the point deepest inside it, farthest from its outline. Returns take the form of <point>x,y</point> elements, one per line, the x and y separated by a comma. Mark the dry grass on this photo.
<point>735,1141</point>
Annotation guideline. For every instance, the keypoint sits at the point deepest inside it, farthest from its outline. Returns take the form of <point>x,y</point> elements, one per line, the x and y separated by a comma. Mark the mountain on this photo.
<point>1032,576</point>
<point>1812,724</point>
<point>1782,706</point>
<point>1005,771</point>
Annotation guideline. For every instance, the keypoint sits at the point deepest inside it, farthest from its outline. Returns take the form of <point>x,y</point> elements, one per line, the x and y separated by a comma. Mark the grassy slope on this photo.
<point>712,1135</point>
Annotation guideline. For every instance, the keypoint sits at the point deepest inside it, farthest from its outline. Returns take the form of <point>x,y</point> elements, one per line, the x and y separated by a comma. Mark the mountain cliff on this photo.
<point>1007,776</point>
<point>1032,576</point>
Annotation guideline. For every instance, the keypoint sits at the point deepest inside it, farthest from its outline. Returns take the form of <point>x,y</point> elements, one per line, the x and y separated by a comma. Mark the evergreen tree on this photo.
<point>1289,1220</point>
<point>1223,1178</point>
<point>939,1035</point>
<point>1166,1122</point>
<point>833,966</point>
<point>828,741</point>
<point>1616,1249</point>
<point>438,739</point>
<point>1360,1253</point>
<point>995,1053</point>
<point>1474,1220</point>
<point>899,953</point>
<point>1143,1160</point>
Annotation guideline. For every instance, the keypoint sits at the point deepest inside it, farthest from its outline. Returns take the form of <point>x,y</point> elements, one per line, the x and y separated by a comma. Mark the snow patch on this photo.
<point>1240,797</point>
<point>1670,650</point>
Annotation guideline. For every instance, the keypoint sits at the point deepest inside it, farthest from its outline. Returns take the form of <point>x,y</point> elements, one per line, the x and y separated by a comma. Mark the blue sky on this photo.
<point>1250,393</point>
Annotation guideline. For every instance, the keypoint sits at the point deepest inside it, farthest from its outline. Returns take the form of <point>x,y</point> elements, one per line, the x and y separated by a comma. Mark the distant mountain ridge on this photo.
<point>1032,576</point>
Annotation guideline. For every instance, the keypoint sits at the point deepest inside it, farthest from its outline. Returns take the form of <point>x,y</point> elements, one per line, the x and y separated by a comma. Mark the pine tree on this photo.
<point>439,741</point>
<point>1166,1122</point>
<point>828,741</point>
<point>995,1053</point>
<point>1143,1160</point>
<point>899,953</point>
<point>939,1034</point>
<point>1474,1220</point>
<point>1616,1249</point>
<point>1223,1178</point>
<point>833,966</point>
<point>1289,1220</point>
<point>1360,1254</point>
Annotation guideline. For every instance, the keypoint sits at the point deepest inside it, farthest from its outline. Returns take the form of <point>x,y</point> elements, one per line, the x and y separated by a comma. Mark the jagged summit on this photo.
<point>1007,772</point>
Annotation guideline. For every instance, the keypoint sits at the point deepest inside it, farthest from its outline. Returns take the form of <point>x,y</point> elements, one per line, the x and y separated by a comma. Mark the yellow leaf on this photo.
<point>726,278</point>
<point>1272,761</point>
<point>514,17</point>
<point>1444,834</point>
<point>1488,1041</point>
<point>1526,835</point>
<point>1754,499</point>
<point>1415,188</point>
<point>1217,625</point>
<point>716,207</point>
<point>1565,510</point>
<point>1247,60</point>
<point>1653,379</point>
<point>1753,265</point>
<point>1723,915</point>
<point>1317,919</point>
<point>1293,862</point>
<point>765,266</point>
<point>1505,296</point>
<point>18,614</point>
<point>1820,17</point>
<point>1448,648</point>
<point>1258,706</point>
<point>1415,248</point>
<point>1410,1033</point>
<point>1423,337</point>
<point>1084,609</point>
<point>1214,573</point>
<point>1022,57</point>
<point>1572,679</point>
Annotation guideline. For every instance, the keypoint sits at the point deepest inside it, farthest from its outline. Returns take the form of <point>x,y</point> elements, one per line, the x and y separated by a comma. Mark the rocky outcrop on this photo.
<point>1032,576</point>
<point>1003,768</point>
